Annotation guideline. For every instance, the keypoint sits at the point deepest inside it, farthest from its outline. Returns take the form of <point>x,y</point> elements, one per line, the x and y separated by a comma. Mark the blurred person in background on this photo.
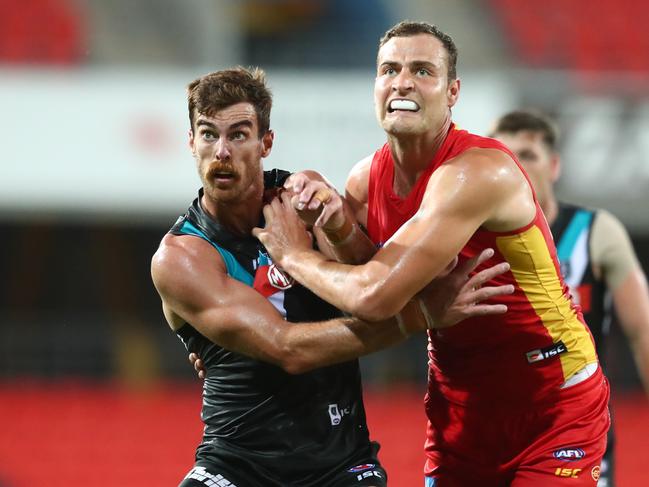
<point>270,418</point>
<point>594,249</point>
<point>511,397</point>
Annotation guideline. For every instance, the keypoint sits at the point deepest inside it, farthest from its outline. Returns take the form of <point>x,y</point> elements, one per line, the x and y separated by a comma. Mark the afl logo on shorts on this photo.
<point>360,468</point>
<point>278,278</point>
<point>569,454</point>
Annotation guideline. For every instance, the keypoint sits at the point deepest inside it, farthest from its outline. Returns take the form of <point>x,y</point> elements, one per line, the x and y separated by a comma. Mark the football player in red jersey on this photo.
<point>507,393</point>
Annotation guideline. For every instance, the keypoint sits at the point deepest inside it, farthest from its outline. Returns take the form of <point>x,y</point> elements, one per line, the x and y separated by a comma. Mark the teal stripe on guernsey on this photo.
<point>579,223</point>
<point>234,268</point>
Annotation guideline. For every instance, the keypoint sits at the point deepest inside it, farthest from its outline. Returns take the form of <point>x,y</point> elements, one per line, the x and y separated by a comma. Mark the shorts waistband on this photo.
<point>581,375</point>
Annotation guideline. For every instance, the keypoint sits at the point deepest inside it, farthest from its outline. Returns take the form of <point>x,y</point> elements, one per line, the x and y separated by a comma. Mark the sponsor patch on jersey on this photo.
<point>569,454</point>
<point>360,468</point>
<point>278,278</point>
<point>547,352</point>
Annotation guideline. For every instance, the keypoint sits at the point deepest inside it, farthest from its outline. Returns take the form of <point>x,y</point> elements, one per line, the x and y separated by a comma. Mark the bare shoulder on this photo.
<point>608,222</point>
<point>359,176</point>
<point>488,183</point>
<point>356,188</point>
<point>180,259</point>
<point>489,166</point>
<point>482,170</point>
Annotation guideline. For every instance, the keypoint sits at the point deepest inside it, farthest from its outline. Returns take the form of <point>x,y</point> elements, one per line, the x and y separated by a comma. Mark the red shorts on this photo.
<point>554,443</point>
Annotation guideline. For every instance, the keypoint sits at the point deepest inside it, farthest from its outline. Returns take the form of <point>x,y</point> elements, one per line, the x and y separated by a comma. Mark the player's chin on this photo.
<point>400,128</point>
<point>218,193</point>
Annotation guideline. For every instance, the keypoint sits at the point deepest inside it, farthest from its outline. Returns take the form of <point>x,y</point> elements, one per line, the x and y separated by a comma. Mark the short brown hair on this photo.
<point>221,89</point>
<point>409,28</point>
<point>529,120</point>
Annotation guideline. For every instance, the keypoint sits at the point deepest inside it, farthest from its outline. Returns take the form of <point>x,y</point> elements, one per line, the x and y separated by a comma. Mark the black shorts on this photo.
<point>208,474</point>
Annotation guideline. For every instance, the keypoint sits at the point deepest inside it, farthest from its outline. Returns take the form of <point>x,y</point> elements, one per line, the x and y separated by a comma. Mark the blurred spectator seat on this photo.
<point>589,35</point>
<point>41,32</point>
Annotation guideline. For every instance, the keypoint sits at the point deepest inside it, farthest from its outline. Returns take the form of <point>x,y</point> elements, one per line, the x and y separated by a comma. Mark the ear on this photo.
<point>190,141</point>
<point>267,143</point>
<point>555,166</point>
<point>453,92</point>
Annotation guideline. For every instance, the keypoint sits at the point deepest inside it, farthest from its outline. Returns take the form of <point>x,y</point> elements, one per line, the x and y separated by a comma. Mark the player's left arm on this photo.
<point>460,197</point>
<point>615,259</point>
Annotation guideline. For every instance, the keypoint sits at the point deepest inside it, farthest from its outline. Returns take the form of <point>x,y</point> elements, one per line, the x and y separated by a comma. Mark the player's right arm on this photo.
<point>615,259</point>
<point>191,278</point>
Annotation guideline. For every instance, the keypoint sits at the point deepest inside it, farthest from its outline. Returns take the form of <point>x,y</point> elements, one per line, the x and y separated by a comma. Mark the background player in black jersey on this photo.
<point>596,255</point>
<point>271,419</point>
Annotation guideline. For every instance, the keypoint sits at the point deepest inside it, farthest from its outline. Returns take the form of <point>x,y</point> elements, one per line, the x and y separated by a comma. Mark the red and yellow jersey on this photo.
<point>525,354</point>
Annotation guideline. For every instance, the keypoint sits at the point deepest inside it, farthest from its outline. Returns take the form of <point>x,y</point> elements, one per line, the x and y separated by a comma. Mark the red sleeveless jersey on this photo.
<point>521,356</point>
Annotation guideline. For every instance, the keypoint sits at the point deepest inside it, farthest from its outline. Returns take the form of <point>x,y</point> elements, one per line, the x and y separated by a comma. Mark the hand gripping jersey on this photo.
<point>524,355</point>
<point>293,427</point>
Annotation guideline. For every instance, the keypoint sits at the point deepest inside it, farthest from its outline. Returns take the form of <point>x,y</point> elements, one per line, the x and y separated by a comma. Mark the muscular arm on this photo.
<point>615,259</point>
<point>480,188</point>
<point>631,300</point>
<point>195,288</point>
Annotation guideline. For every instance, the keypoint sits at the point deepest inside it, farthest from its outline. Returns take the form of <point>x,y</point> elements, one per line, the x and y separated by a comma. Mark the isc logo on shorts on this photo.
<point>367,470</point>
<point>572,473</point>
<point>569,454</point>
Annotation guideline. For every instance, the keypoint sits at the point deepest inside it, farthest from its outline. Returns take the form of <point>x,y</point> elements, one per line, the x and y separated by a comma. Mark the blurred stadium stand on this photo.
<point>582,35</point>
<point>93,385</point>
<point>41,31</point>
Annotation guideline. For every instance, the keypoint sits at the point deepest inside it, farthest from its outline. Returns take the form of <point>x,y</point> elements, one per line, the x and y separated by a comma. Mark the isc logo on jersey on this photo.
<point>545,353</point>
<point>569,454</point>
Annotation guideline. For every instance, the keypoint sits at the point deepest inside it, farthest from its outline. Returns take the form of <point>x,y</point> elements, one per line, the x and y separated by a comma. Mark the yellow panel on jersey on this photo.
<point>536,275</point>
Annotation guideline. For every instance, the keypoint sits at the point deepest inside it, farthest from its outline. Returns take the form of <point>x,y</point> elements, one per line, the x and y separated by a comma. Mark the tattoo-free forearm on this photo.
<point>314,345</point>
<point>308,346</point>
<point>356,248</point>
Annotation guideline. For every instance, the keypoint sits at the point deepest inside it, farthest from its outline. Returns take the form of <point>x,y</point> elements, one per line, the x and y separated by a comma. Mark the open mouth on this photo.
<point>221,172</point>
<point>222,175</point>
<point>402,105</point>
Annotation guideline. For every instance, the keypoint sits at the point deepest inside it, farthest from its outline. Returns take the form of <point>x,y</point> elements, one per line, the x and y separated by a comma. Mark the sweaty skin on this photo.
<point>480,188</point>
<point>194,285</point>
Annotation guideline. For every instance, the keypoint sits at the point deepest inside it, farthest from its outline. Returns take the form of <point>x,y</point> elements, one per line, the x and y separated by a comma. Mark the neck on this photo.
<point>239,216</point>
<point>550,207</point>
<point>412,155</point>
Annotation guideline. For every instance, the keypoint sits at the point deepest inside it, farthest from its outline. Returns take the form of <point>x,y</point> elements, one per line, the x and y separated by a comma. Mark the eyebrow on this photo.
<point>411,64</point>
<point>235,125</point>
<point>425,64</point>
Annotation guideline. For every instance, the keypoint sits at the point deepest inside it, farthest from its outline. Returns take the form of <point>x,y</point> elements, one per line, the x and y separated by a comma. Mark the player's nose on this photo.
<point>222,150</point>
<point>403,82</point>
